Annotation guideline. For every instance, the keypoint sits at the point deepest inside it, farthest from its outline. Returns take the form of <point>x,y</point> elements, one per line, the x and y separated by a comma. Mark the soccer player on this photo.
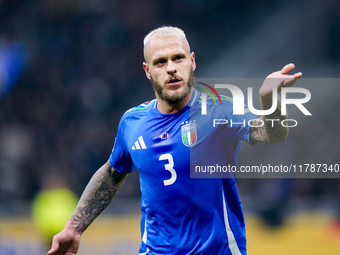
<point>161,139</point>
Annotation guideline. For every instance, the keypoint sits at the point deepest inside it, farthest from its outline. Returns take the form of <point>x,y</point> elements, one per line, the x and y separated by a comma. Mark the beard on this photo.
<point>173,98</point>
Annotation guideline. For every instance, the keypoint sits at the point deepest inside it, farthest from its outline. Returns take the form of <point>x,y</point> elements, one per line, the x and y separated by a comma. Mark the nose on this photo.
<point>171,68</point>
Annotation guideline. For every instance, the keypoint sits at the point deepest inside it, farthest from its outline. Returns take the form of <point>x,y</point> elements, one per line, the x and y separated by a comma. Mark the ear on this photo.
<point>146,69</point>
<point>193,62</point>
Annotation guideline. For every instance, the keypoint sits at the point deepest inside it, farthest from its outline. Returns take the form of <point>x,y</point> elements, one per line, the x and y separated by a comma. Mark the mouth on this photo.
<point>174,82</point>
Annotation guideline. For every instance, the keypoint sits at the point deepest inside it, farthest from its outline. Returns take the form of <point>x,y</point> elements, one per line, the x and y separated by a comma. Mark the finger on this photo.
<point>54,248</point>
<point>291,79</point>
<point>298,75</point>
<point>287,68</point>
<point>293,76</point>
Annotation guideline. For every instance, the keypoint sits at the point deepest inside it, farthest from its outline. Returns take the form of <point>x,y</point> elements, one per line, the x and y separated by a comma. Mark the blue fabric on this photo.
<point>181,214</point>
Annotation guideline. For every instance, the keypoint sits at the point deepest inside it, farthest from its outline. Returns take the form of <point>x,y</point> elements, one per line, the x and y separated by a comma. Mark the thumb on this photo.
<point>287,68</point>
<point>54,248</point>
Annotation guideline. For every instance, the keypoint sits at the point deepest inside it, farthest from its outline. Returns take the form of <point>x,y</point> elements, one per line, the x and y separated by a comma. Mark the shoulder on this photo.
<point>142,107</point>
<point>138,111</point>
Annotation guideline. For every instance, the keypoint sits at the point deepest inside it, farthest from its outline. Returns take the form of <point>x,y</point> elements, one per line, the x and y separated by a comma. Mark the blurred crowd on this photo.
<point>82,68</point>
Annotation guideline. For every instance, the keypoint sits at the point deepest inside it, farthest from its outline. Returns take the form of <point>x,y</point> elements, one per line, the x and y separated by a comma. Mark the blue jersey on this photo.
<point>180,214</point>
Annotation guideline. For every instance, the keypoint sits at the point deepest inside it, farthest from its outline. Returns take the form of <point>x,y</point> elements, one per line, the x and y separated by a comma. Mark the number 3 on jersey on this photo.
<point>170,167</point>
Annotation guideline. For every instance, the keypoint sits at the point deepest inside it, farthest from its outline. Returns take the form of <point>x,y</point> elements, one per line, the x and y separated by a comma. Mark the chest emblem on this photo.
<point>139,144</point>
<point>189,134</point>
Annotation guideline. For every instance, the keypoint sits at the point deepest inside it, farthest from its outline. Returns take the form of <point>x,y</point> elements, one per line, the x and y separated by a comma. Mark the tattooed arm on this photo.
<point>273,131</point>
<point>270,131</point>
<point>99,192</point>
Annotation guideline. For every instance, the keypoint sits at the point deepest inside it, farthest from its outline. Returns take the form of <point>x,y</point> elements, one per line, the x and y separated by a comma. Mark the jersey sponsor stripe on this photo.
<point>137,145</point>
<point>140,139</point>
<point>231,238</point>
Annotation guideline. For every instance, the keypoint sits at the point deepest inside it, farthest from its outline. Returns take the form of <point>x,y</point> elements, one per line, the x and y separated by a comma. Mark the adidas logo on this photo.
<point>139,144</point>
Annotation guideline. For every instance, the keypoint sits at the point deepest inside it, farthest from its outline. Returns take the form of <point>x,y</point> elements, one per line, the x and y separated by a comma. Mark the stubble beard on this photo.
<point>173,98</point>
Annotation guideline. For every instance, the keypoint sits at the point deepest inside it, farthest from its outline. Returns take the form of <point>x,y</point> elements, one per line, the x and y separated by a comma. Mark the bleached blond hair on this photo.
<point>164,31</point>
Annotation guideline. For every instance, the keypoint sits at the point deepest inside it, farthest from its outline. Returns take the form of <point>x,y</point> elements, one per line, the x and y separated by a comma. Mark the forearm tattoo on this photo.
<point>272,131</point>
<point>96,197</point>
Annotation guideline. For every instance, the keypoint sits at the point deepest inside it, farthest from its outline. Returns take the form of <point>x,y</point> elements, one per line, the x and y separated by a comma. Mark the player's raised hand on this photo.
<point>65,243</point>
<point>279,79</point>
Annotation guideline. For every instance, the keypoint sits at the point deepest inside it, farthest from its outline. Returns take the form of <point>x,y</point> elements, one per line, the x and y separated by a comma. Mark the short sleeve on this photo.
<point>120,158</point>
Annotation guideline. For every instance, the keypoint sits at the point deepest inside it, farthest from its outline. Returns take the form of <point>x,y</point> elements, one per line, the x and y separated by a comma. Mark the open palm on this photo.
<point>279,79</point>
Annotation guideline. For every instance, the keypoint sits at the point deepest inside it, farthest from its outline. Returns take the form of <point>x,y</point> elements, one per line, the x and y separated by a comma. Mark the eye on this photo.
<point>160,62</point>
<point>178,57</point>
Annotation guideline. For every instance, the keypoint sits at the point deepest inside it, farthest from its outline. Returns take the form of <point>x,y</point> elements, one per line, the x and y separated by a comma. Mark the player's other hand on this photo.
<point>279,79</point>
<point>65,243</point>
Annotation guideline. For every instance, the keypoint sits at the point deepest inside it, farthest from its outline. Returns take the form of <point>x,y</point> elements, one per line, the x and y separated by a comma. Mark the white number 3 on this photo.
<point>169,167</point>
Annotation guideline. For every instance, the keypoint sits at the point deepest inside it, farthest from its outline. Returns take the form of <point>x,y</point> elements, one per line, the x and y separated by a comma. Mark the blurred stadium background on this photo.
<point>70,68</point>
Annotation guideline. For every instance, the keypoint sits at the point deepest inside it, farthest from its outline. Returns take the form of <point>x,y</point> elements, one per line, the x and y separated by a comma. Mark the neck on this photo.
<point>167,108</point>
